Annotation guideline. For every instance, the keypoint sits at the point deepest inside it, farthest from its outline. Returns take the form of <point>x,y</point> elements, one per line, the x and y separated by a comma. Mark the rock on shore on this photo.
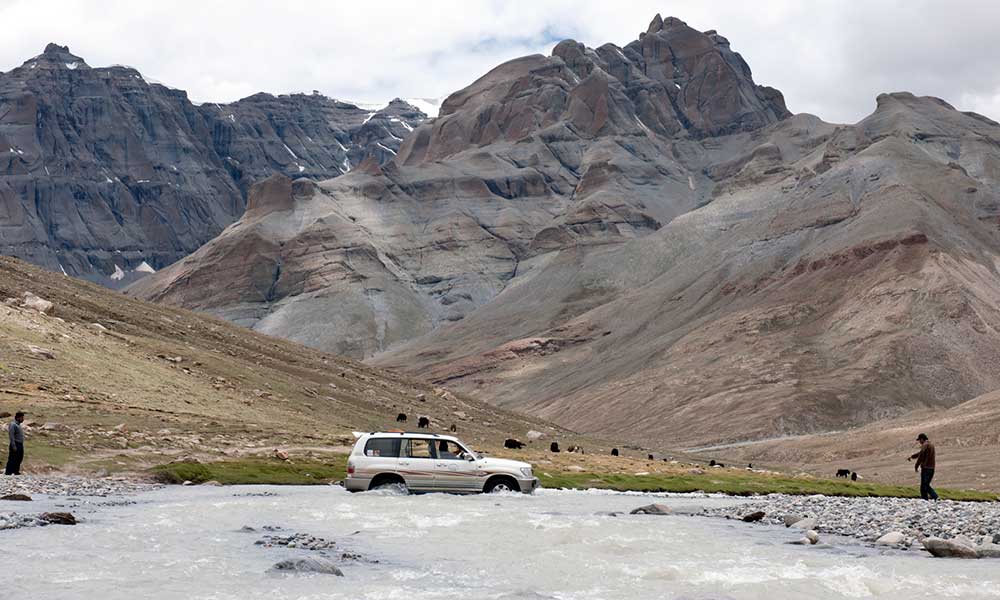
<point>898,522</point>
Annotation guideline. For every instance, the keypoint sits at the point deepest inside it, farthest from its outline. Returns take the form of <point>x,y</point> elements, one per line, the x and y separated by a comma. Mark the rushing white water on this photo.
<point>186,543</point>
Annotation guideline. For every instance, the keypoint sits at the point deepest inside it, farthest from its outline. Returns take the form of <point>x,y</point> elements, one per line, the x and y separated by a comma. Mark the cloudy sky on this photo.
<point>830,58</point>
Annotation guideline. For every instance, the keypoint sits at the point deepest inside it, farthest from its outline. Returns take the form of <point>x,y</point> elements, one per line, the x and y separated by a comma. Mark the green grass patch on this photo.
<point>45,454</point>
<point>744,484</point>
<point>248,472</point>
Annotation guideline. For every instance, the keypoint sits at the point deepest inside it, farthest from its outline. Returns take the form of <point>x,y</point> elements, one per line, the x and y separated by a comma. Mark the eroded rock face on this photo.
<point>542,154</point>
<point>108,177</point>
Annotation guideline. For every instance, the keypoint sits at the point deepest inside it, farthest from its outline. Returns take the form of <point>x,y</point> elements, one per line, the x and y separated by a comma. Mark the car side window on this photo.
<point>382,447</point>
<point>449,450</point>
<point>420,449</point>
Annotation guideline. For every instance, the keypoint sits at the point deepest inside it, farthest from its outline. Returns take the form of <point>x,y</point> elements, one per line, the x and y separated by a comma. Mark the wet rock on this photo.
<point>804,524</point>
<point>754,516</point>
<point>311,564</point>
<point>942,548</point>
<point>812,536</point>
<point>988,550</point>
<point>58,518</point>
<point>893,538</point>
<point>303,541</point>
<point>652,509</point>
<point>609,513</point>
<point>17,497</point>
<point>790,520</point>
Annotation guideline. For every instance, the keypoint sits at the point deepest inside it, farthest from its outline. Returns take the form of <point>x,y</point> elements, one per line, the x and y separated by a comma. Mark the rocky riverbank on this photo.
<point>22,491</point>
<point>71,486</point>
<point>895,522</point>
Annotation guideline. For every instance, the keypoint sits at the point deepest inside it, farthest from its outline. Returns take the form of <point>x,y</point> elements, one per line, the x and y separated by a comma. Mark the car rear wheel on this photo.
<point>389,483</point>
<point>501,484</point>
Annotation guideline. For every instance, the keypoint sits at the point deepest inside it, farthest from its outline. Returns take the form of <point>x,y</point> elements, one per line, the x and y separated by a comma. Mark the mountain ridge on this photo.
<point>102,171</point>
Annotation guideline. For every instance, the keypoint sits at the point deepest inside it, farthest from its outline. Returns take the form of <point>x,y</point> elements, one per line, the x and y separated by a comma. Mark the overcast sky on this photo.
<point>830,58</point>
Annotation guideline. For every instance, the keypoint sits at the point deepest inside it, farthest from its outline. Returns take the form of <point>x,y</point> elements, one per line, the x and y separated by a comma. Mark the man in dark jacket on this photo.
<point>16,434</point>
<point>925,463</point>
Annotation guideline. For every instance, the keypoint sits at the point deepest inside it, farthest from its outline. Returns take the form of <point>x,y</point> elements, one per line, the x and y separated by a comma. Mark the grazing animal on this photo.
<point>649,456</point>
<point>554,447</point>
<point>453,428</point>
<point>401,418</point>
<point>423,423</point>
<point>711,463</point>
<point>614,452</point>
<point>513,444</point>
<point>854,476</point>
<point>750,466</point>
<point>575,449</point>
<point>845,473</point>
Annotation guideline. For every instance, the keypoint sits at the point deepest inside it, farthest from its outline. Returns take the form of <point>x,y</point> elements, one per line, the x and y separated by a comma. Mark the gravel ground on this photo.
<point>63,485</point>
<point>72,492</point>
<point>868,519</point>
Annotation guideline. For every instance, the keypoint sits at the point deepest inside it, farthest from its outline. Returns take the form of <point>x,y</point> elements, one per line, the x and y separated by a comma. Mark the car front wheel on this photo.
<point>501,484</point>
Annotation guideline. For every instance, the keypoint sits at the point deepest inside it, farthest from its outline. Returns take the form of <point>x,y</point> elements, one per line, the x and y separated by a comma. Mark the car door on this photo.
<point>454,472</point>
<point>416,464</point>
<point>381,456</point>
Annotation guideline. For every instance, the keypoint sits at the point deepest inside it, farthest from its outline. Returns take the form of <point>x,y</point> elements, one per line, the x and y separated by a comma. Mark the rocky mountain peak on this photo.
<point>56,56</point>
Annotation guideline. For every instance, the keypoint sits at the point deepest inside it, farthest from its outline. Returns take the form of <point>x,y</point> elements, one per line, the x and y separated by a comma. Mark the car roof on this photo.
<point>411,434</point>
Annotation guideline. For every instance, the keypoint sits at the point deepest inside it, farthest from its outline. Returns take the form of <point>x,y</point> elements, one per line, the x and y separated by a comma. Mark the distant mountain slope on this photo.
<point>580,149</point>
<point>182,384</point>
<point>102,172</point>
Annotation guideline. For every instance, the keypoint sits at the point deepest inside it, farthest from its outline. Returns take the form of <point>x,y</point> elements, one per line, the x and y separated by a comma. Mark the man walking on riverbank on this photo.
<point>925,464</point>
<point>15,432</point>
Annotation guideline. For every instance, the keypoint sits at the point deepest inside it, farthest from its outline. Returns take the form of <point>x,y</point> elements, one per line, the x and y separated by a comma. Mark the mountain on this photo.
<point>542,154</point>
<point>642,242</point>
<point>106,176</point>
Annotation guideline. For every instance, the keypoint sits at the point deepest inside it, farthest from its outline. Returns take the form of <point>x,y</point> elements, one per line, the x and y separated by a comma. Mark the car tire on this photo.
<point>388,481</point>
<point>501,484</point>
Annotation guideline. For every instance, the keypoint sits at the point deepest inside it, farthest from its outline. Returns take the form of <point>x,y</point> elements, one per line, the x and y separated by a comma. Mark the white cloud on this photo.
<point>829,58</point>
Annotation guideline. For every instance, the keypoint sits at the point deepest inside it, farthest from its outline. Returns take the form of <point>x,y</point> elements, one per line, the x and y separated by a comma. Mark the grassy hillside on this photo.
<point>111,383</point>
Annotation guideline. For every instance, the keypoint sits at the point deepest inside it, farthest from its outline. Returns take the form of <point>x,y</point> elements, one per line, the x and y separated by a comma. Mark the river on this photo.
<point>186,542</point>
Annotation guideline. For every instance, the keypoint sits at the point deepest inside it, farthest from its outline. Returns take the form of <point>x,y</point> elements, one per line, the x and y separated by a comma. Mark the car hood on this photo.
<point>502,463</point>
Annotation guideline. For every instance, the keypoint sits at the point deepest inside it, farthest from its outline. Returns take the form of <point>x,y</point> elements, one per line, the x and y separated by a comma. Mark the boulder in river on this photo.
<point>652,509</point>
<point>309,564</point>
<point>17,497</point>
<point>58,518</point>
<point>805,524</point>
<point>790,520</point>
<point>942,548</point>
<point>754,516</point>
<point>988,550</point>
<point>893,538</point>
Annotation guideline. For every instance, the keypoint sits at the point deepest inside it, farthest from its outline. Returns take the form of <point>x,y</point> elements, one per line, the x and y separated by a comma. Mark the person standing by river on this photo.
<point>925,464</point>
<point>15,431</point>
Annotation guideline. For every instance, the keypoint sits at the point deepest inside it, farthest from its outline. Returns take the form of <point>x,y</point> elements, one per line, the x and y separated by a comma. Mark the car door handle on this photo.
<point>404,462</point>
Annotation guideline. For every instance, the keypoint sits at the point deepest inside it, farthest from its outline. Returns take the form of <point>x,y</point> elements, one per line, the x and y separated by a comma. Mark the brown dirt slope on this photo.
<point>967,438</point>
<point>132,383</point>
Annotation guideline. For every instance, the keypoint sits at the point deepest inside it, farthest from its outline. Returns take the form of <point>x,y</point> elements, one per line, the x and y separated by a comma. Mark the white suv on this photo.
<point>427,462</point>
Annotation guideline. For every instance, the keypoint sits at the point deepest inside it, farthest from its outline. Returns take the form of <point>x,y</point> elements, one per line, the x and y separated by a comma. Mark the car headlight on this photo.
<point>526,471</point>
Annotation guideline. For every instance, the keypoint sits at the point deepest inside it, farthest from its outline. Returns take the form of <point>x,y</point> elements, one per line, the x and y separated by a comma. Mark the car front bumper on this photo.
<point>528,485</point>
